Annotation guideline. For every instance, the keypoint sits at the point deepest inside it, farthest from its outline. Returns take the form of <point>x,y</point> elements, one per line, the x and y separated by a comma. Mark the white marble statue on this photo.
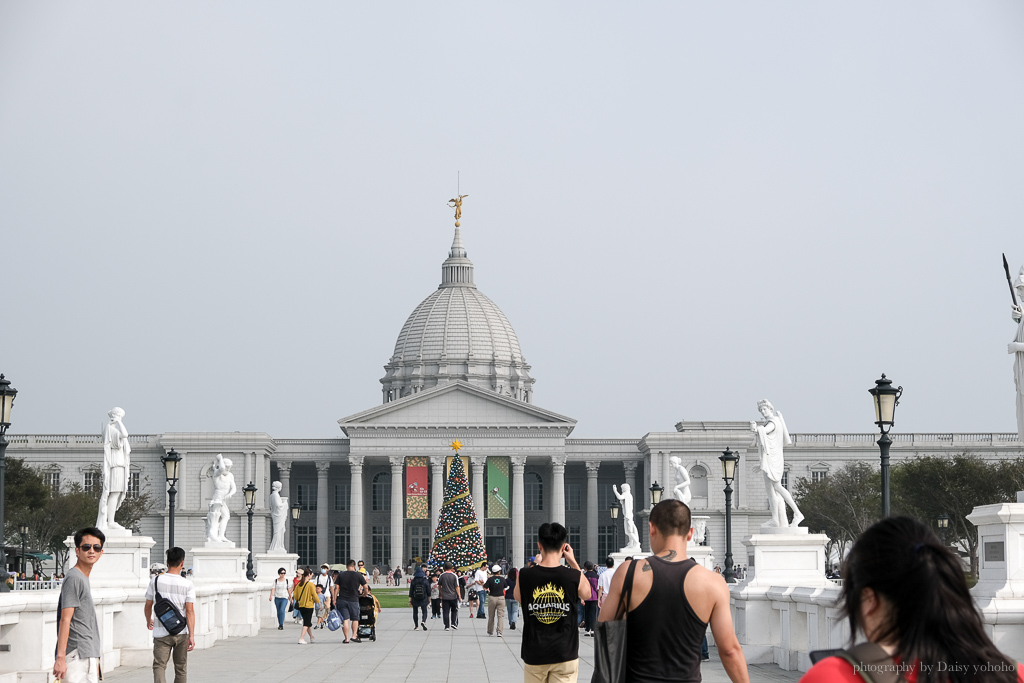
<point>682,489</point>
<point>278,517</point>
<point>116,460</point>
<point>1016,347</point>
<point>772,437</point>
<point>632,535</point>
<point>223,488</point>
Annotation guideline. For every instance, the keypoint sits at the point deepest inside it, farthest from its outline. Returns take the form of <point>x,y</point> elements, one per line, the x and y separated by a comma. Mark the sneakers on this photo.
<point>424,626</point>
<point>455,627</point>
<point>416,627</point>
<point>499,634</point>
<point>280,628</point>
<point>446,628</point>
<point>512,626</point>
<point>302,642</point>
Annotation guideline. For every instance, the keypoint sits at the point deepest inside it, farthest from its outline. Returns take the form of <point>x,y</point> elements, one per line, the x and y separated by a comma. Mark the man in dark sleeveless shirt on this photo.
<point>672,602</point>
<point>549,594</point>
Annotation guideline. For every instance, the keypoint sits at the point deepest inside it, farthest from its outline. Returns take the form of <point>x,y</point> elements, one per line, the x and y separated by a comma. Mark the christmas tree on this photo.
<point>457,537</point>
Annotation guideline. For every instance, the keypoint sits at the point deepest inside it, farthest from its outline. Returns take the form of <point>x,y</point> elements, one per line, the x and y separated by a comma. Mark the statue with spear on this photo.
<point>1016,347</point>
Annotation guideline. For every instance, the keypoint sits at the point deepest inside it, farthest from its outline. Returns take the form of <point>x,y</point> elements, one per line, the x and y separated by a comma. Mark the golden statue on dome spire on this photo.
<point>457,205</point>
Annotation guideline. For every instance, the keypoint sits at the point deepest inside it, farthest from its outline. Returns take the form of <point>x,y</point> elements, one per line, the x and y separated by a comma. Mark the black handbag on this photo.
<point>610,639</point>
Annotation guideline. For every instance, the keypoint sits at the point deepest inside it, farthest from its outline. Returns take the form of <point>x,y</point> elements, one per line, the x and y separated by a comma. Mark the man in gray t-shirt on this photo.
<point>78,633</point>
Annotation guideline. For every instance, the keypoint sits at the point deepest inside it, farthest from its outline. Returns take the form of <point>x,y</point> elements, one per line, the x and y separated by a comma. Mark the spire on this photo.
<point>457,270</point>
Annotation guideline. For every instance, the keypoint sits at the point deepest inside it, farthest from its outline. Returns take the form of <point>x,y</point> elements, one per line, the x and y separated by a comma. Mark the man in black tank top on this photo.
<point>549,594</point>
<point>673,600</point>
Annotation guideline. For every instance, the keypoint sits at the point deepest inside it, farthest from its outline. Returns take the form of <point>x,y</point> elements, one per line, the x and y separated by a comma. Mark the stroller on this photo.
<point>368,617</point>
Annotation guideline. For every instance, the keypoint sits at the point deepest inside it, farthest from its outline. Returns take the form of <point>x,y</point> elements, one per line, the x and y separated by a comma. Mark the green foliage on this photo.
<point>24,493</point>
<point>928,486</point>
<point>843,504</point>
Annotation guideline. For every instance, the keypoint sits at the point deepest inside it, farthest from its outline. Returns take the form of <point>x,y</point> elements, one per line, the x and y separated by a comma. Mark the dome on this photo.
<point>457,333</point>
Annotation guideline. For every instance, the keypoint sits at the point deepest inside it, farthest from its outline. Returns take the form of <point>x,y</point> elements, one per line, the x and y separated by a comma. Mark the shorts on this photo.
<point>349,610</point>
<point>307,615</point>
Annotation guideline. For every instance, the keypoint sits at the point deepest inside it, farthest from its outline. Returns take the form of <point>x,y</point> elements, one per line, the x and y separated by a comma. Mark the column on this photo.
<point>397,510</point>
<point>477,464</point>
<point>558,488</point>
<point>322,530</point>
<point>355,513</point>
<point>436,491</point>
<point>284,473</point>
<point>591,550</point>
<point>518,510</point>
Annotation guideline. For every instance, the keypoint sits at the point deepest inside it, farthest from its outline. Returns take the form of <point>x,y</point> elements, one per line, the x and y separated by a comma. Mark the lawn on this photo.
<point>392,597</point>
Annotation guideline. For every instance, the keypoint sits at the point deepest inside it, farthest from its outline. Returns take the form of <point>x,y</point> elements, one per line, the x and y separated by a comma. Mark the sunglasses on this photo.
<point>85,547</point>
<point>281,573</point>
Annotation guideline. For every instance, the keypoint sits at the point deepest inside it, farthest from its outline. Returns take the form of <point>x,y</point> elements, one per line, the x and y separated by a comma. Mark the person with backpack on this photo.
<point>419,597</point>
<point>906,591</point>
<point>170,615</point>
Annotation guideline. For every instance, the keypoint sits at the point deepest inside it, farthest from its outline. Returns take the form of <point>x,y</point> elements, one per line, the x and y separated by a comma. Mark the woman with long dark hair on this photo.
<point>305,600</point>
<point>907,593</point>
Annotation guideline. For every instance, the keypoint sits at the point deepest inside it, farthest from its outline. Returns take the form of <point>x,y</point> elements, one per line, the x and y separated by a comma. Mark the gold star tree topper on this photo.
<point>456,445</point>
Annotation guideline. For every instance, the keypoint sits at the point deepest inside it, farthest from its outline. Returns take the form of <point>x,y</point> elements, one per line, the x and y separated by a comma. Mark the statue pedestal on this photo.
<point>216,563</point>
<point>999,593</point>
<point>786,557</point>
<point>703,554</point>
<point>125,562</point>
<point>620,557</point>
<point>267,564</point>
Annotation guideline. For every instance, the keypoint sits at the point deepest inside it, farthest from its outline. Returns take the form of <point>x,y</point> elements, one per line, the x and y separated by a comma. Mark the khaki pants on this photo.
<point>562,672</point>
<point>163,648</point>
<point>495,604</point>
<point>81,670</point>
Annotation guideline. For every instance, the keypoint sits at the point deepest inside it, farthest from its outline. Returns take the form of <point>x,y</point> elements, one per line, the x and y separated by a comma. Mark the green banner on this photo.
<point>497,484</point>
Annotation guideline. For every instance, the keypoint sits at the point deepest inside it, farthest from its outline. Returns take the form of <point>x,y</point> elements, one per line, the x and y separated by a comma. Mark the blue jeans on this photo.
<point>282,605</point>
<point>481,611</point>
<point>511,606</point>
<point>704,654</point>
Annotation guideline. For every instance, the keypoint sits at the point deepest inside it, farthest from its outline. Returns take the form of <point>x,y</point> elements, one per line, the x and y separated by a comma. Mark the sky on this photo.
<point>218,216</point>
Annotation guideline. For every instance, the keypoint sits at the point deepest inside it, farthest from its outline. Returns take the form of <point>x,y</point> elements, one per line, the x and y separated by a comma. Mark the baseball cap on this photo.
<point>496,569</point>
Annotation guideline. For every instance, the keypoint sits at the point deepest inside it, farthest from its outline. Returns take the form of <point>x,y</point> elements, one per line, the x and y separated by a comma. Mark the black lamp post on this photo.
<point>943,523</point>
<point>171,461</point>
<point>250,502</point>
<point>729,460</point>
<point>614,512</point>
<point>885,399</point>
<point>656,492</point>
<point>7,394</point>
<point>296,511</point>
<point>23,530</point>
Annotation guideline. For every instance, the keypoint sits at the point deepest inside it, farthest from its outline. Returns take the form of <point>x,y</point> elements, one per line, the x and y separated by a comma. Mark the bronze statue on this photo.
<point>457,205</point>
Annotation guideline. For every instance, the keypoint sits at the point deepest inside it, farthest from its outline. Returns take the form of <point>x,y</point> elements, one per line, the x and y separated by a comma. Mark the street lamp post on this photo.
<point>943,523</point>
<point>729,460</point>
<point>614,512</point>
<point>171,461</point>
<point>296,511</point>
<point>7,394</point>
<point>23,530</point>
<point>885,399</point>
<point>656,492</point>
<point>250,502</point>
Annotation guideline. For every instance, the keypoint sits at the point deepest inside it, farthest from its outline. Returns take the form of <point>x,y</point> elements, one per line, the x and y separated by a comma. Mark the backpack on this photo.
<point>593,587</point>
<point>869,660</point>
<point>167,612</point>
<point>419,590</point>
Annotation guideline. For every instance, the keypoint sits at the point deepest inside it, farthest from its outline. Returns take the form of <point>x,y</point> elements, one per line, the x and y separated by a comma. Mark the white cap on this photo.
<point>496,569</point>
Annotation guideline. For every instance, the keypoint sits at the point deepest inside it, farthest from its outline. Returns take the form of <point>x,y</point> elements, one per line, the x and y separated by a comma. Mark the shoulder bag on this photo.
<point>610,639</point>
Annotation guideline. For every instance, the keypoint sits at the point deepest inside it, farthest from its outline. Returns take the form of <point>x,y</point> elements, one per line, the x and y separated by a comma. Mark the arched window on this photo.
<point>381,495</point>
<point>533,492</point>
<point>699,486</point>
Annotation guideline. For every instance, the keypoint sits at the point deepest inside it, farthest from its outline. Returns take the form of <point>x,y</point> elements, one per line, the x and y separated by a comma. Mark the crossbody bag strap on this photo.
<point>627,592</point>
<point>871,663</point>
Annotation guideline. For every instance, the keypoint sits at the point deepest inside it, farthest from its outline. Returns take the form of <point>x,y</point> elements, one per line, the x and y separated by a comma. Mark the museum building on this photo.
<point>457,372</point>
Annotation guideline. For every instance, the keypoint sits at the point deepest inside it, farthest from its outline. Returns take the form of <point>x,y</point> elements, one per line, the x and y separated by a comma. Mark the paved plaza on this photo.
<point>467,655</point>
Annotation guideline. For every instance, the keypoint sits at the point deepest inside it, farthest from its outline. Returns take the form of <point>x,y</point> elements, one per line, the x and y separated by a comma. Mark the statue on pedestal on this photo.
<point>772,436</point>
<point>223,488</point>
<point>116,460</point>
<point>632,535</point>
<point>278,517</point>
<point>1016,347</point>
<point>681,490</point>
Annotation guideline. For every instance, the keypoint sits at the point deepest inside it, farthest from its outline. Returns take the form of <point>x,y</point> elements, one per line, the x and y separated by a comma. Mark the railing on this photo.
<point>37,585</point>
<point>75,439</point>
<point>912,438</point>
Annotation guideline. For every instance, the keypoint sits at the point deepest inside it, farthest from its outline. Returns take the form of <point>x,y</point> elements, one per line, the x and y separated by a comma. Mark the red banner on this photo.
<point>417,473</point>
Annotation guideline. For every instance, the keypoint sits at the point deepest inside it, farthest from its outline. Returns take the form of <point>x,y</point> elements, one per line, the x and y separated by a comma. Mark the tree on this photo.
<point>457,538</point>
<point>842,505</point>
<point>25,491</point>
<point>928,486</point>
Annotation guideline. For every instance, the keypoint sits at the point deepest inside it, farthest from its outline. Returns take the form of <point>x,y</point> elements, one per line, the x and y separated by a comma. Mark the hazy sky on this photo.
<point>219,215</point>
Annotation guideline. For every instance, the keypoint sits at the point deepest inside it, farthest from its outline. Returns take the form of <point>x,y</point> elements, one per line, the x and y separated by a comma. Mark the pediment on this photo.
<point>457,404</point>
